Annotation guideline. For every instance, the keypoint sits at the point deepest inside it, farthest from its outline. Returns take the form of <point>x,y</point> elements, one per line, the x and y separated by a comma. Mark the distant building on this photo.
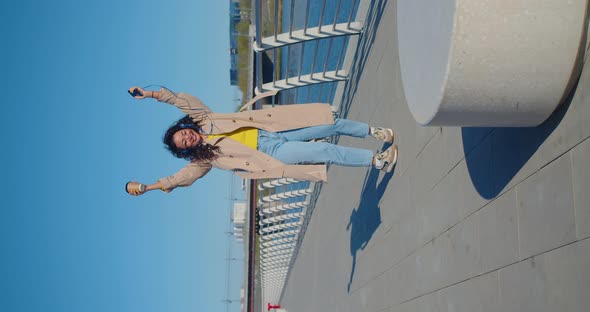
<point>233,77</point>
<point>239,220</point>
<point>236,15</point>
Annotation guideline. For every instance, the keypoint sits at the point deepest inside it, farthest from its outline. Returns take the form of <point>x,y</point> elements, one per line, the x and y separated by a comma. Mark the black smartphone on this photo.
<point>135,93</point>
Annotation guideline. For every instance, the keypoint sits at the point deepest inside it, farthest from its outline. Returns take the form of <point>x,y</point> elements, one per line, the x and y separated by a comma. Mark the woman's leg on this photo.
<point>340,127</point>
<point>295,152</point>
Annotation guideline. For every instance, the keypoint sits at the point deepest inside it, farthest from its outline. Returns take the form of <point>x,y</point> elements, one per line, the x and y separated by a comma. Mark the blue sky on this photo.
<point>71,238</point>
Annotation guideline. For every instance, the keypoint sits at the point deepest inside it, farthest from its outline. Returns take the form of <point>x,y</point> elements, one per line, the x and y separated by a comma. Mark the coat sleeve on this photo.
<point>186,176</point>
<point>187,103</point>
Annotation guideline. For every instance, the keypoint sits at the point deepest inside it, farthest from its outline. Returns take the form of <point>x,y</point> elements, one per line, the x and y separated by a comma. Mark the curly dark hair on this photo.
<point>200,152</point>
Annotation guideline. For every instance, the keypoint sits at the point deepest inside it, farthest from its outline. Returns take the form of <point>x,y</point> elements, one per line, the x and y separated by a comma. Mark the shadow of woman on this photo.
<point>366,218</point>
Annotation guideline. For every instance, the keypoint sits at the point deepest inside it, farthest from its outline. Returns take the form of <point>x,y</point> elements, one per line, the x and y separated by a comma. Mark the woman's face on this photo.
<point>186,138</point>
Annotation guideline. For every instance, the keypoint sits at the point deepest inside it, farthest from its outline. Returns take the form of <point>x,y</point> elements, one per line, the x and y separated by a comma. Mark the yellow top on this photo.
<point>246,136</point>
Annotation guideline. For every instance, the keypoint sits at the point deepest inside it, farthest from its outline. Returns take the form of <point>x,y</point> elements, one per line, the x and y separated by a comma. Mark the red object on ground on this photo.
<point>270,306</point>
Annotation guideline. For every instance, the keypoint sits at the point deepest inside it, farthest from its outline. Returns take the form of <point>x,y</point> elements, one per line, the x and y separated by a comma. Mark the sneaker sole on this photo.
<point>392,136</point>
<point>392,163</point>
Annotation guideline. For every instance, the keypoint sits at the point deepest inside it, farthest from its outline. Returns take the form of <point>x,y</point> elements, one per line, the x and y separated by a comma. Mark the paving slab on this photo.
<point>581,180</point>
<point>523,286</point>
<point>555,281</point>
<point>546,210</point>
<point>498,233</point>
<point>480,294</point>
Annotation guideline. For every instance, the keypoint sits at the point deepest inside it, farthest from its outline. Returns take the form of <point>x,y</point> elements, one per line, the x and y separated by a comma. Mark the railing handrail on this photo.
<point>283,203</point>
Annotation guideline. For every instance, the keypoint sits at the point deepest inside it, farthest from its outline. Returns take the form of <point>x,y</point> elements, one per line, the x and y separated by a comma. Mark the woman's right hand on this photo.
<point>141,94</point>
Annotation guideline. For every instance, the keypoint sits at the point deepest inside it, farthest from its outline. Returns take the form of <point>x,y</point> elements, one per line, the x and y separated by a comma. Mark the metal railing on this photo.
<point>299,37</point>
<point>284,204</point>
<point>282,207</point>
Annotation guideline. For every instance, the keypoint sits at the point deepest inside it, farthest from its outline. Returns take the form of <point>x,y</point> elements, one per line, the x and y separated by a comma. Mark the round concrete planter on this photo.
<point>489,62</point>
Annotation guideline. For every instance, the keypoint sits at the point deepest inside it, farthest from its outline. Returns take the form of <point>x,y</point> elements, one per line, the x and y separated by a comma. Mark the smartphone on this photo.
<point>135,93</point>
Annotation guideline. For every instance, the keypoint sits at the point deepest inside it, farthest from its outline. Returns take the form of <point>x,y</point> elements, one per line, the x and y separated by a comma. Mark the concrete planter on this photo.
<point>489,62</point>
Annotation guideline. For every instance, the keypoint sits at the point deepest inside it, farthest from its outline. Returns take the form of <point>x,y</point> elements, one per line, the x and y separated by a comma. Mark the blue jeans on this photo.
<point>291,147</point>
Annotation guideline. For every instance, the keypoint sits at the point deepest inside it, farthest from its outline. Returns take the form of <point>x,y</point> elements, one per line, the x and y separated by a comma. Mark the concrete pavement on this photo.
<point>471,219</point>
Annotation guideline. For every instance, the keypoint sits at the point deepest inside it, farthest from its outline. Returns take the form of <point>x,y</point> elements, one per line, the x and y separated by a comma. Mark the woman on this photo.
<point>267,143</point>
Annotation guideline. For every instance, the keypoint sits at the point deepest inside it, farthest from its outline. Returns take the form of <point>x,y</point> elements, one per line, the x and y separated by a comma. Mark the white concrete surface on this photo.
<point>489,62</point>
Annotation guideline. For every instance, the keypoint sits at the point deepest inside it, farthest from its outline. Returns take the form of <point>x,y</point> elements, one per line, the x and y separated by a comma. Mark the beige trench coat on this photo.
<point>243,160</point>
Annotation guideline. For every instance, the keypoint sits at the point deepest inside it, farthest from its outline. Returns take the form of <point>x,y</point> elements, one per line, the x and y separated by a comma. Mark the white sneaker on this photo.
<point>383,134</point>
<point>387,159</point>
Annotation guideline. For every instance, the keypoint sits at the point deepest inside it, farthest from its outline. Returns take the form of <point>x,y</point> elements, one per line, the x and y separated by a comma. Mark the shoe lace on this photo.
<point>379,134</point>
<point>383,155</point>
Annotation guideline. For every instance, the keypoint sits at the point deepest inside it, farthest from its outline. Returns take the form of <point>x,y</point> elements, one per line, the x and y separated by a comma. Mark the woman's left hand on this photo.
<point>139,96</point>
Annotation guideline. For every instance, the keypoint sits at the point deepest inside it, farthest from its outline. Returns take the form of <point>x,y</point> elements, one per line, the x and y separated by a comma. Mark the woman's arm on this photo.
<point>185,177</point>
<point>149,187</point>
<point>184,101</point>
<point>187,103</point>
<point>145,94</point>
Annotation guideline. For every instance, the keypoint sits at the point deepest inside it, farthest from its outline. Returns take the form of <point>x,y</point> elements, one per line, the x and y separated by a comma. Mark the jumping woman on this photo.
<point>257,144</point>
